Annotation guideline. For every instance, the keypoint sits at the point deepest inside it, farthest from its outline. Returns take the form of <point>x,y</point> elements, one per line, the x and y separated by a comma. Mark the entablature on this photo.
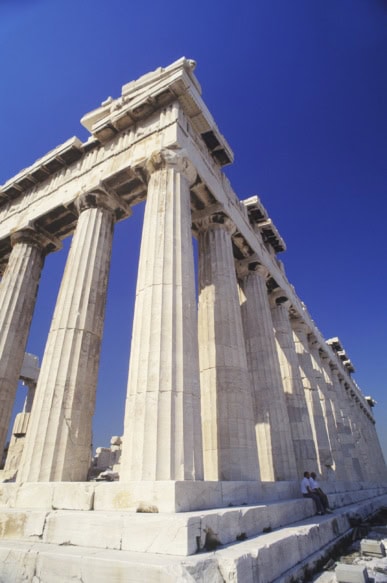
<point>152,92</point>
<point>258,216</point>
<point>62,156</point>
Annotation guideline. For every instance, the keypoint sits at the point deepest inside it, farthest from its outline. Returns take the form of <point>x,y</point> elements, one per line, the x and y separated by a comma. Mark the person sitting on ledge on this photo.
<point>315,486</point>
<point>307,492</point>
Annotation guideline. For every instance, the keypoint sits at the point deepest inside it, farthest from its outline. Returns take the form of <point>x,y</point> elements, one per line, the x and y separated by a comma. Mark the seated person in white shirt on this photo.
<point>307,492</point>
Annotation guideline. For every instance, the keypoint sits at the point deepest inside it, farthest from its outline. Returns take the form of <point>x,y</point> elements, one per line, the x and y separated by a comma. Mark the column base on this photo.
<point>160,496</point>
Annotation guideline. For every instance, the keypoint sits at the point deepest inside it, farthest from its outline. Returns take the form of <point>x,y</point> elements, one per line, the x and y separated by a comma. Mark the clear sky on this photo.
<point>298,88</point>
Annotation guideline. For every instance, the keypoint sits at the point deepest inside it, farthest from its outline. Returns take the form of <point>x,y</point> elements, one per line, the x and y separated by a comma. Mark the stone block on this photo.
<point>35,495</point>
<point>132,495</point>
<point>8,495</point>
<point>351,574</point>
<point>198,496</point>
<point>373,548</point>
<point>160,533</point>
<point>22,525</point>
<point>17,564</point>
<point>94,529</point>
<point>240,493</point>
<point>73,496</point>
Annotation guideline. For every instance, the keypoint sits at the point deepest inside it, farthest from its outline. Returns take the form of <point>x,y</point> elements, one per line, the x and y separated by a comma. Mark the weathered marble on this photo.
<point>59,437</point>
<point>162,433</point>
<point>300,423</point>
<point>229,442</point>
<point>346,436</point>
<point>313,395</point>
<point>275,447</point>
<point>18,290</point>
<point>331,410</point>
<point>212,446</point>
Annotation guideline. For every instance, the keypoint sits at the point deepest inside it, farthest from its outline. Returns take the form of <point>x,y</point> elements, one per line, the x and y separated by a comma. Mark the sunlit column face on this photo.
<point>18,290</point>
<point>275,447</point>
<point>59,437</point>
<point>301,429</point>
<point>162,434</point>
<point>230,450</point>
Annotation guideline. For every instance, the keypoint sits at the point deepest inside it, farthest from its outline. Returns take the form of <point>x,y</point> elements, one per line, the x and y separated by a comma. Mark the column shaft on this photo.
<point>162,435</point>
<point>313,396</point>
<point>275,446</point>
<point>352,464</point>
<point>18,290</point>
<point>361,453</point>
<point>229,441</point>
<point>332,415</point>
<point>58,441</point>
<point>303,443</point>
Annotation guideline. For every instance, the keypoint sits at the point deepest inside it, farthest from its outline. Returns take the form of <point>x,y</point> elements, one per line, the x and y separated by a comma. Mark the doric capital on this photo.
<point>177,159</point>
<point>278,297</point>
<point>249,266</point>
<point>100,198</point>
<point>334,368</point>
<point>299,326</point>
<point>314,343</point>
<point>216,221</point>
<point>36,238</point>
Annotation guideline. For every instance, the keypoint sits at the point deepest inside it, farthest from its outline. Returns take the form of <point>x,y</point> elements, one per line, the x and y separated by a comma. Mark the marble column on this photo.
<point>18,291</point>
<point>332,412</point>
<point>352,464</point>
<point>367,446</point>
<point>300,425</point>
<point>229,441</point>
<point>58,441</point>
<point>162,434</point>
<point>379,463</point>
<point>275,447</point>
<point>313,396</point>
<point>362,453</point>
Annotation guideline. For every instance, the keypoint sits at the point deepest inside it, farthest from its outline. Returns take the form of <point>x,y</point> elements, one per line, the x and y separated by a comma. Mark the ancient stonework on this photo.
<point>231,395</point>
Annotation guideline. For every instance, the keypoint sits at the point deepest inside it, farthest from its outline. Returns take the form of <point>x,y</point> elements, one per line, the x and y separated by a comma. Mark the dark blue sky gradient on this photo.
<point>298,89</point>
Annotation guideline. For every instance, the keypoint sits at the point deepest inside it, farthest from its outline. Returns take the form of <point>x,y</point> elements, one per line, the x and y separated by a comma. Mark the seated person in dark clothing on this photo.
<point>307,492</point>
<point>315,486</point>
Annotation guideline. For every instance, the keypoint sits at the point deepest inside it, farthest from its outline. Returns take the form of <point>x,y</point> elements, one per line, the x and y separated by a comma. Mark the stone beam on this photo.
<point>50,204</point>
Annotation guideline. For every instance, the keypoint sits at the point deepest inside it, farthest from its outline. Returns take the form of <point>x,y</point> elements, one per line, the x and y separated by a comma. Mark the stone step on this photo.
<point>165,533</point>
<point>175,534</point>
<point>280,556</point>
<point>166,496</point>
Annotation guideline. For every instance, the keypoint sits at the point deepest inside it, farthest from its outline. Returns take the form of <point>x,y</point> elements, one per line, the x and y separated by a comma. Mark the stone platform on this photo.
<point>165,496</point>
<point>95,544</point>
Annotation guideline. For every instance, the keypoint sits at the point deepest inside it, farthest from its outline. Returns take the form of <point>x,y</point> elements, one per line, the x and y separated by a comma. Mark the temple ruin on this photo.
<point>231,395</point>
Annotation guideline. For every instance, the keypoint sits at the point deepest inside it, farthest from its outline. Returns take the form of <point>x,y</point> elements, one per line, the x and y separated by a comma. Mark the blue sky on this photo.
<point>299,89</point>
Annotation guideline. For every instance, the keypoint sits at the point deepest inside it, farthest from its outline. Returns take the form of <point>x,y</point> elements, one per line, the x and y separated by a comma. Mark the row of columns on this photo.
<point>234,389</point>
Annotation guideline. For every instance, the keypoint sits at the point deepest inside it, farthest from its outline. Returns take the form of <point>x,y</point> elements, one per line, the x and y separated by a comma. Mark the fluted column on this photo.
<point>58,441</point>
<point>18,291</point>
<point>300,425</point>
<point>353,470</point>
<point>366,449</point>
<point>379,463</point>
<point>313,395</point>
<point>332,412</point>
<point>229,441</point>
<point>162,434</point>
<point>275,447</point>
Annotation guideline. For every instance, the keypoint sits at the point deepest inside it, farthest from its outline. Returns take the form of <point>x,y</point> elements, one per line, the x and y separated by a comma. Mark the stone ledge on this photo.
<point>280,556</point>
<point>168,496</point>
<point>166,533</point>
